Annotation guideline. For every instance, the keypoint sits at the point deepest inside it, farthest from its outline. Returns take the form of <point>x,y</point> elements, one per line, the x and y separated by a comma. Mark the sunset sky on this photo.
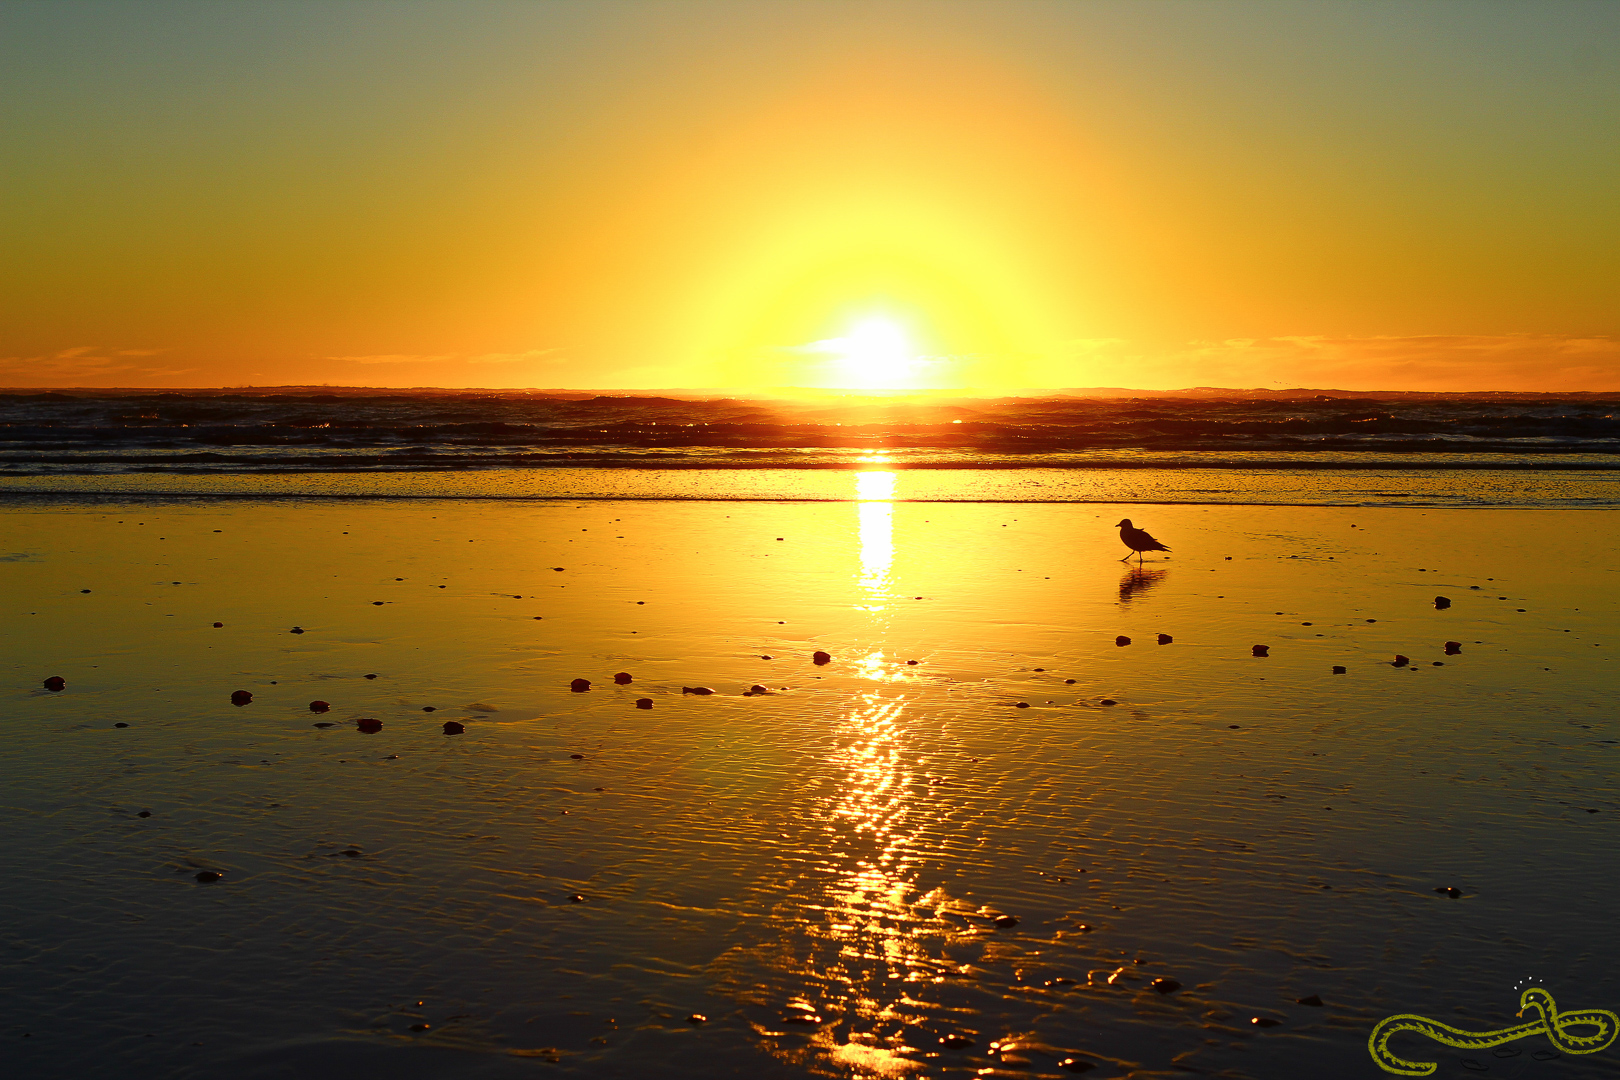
<point>1365,195</point>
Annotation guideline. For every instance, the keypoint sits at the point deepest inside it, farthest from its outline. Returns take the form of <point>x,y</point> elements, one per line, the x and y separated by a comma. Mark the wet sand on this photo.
<point>818,871</point>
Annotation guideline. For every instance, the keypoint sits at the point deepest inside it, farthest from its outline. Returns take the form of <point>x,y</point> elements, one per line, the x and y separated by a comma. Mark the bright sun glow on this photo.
<point>875,355</point>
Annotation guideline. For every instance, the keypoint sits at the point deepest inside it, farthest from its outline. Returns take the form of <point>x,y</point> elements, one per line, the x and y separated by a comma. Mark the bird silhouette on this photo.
<point>1137,540</point>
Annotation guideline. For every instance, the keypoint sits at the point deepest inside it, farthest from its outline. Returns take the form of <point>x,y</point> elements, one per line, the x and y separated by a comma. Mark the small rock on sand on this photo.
<point>700,691</point>
<point>956,1041</point>
<point>1453,648</point>
<point>579,686</point>
<point>1122,641</point>
<point>1108,701</point>
<point>454,727</point>
<point>1076,1065</point>
<point>209,875</point>
<point>644,703</point>
<point>1339,669</point>
<point>120,724</point>
<point>821,657</point>
<point>1400,661</point>
<point>1165,985</point>
<point>1442,602</point>
<point>368,725</point>
<point>320,706</point>
<point>1449,890</point>
<point>623,678</point>
<point>56,684</point>
<point>758,689</point>
<point>218,625</point>
<point>1263,1021</point>
<point>240,697</point>
<point>1261,650</point>
<point>296,630</point>
<point>1165,639</point>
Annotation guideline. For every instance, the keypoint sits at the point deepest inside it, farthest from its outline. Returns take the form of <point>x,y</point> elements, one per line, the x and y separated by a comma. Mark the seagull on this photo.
<point>1137,540</point>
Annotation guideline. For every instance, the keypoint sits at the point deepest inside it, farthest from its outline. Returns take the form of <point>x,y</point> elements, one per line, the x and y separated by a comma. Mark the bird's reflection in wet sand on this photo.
<point>1138,581</point>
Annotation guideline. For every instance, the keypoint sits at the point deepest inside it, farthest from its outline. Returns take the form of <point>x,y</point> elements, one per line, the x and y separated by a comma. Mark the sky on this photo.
<point>766,193</point>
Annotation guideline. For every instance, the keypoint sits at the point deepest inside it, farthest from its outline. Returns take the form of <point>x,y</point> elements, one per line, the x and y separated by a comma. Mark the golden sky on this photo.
<point>764,193</point>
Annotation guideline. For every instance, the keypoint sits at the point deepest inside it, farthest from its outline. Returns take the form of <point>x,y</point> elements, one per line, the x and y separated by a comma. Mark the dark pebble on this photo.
<point>697,1018</point>
<point>643,702</point>
<point>209,875</point>
<point>218,625</point>
<point>240,697</point>
<point>1338,670</point>
<point>1263,1021</point>
<point>421,1027</point>
<point>556,568</point>
<point>144,813</point>
<point>1084,928</point>
<point>1453,648</point>
<point>325,724</point>
<point>120,724</point>
<point>1122,641</point>
<point>320,706</point>
<point>1400,661</point>
<point>1076,1065</point>
<point>1438,663</point>
<point>1069,682</point>
<point>767,657</point>
<point>1442,602</point>
<point>454,727</point>
<point>955,1041</point>
<point>296,630</point>
<point>579,686</point>
<point>368,725</point>
<point>56,684</point>
<point>821,657</point>
<point>911,663</point>
<point>1165,639</point>
<point>1006,922</point>
<point>622,678</point>
<point>1108,701</point>
<point>806,1018</point>
<point>758,689</point>
<point>368,676</point>
<point>1449,890</point>
<point>376,603</point>
<point>430,708</point>
<point>1313,1000</point>
<point>575,898</point>
<point>700,691</point>
<point>1165,986</point>
<point>1021,705</point>
<point>577,757</point>
<point>1261,650</point>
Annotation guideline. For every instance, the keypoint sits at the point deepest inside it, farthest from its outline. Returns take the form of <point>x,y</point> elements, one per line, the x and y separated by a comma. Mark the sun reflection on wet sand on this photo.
<point>875,494</point>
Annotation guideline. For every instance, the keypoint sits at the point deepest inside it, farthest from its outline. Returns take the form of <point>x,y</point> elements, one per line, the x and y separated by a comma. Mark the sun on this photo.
<point>876,354</point>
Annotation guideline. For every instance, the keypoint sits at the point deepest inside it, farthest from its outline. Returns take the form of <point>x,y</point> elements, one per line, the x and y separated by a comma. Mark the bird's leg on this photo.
<point>1127,557</point>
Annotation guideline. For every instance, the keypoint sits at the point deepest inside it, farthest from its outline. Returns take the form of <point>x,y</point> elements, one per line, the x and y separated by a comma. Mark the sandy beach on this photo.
<point>1001,845</point>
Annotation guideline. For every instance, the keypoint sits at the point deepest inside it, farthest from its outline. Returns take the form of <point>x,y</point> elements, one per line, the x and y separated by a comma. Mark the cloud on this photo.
<point>529,356</point>
<point>1433,362</point>
<point>81,363</point>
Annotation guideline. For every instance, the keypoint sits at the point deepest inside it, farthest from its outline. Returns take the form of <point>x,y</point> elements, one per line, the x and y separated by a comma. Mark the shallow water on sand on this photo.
<point>1256,829</point>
